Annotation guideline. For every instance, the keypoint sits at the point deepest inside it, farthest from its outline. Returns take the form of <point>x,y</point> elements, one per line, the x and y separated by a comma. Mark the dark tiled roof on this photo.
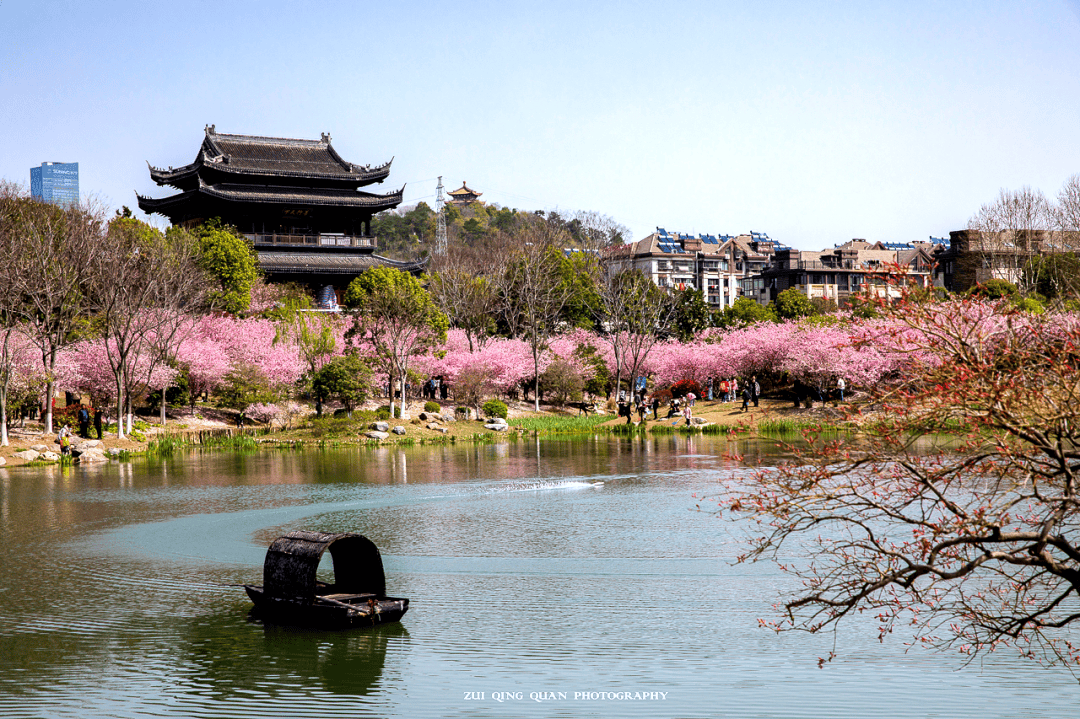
<point>330,263</point>
<point>303,196</point>
<point>150,205</point>
<point>172,176</point>
<point>271,156</point>
<point>264,194</point>
<point>250,152</point>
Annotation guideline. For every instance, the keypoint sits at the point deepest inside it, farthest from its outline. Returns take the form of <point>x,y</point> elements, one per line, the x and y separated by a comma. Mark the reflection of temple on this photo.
<point>464,195</point>
<point>298,202</point>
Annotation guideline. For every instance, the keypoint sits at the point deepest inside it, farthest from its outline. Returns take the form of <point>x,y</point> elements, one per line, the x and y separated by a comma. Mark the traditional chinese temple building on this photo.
<point>464,195</point>
<point>298,202</point>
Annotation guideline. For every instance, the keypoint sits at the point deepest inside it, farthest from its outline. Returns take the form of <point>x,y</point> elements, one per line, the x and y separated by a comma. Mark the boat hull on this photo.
<point>326,612</point>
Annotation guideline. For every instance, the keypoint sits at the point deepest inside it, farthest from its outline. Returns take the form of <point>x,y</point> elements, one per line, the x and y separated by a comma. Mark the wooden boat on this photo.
<point>291,594</point>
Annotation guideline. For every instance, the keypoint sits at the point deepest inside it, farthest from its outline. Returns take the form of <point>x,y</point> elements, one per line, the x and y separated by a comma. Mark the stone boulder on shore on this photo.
<point>92,454</point>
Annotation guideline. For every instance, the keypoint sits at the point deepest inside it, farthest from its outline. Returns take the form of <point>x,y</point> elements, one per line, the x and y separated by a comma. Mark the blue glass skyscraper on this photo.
<point>55,182</point>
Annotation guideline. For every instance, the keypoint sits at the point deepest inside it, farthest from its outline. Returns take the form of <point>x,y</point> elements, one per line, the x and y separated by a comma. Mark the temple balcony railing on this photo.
<point>320,240</point>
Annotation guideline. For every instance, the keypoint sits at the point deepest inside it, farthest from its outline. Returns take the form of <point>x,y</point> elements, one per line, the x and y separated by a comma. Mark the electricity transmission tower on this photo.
<point>440,221</point>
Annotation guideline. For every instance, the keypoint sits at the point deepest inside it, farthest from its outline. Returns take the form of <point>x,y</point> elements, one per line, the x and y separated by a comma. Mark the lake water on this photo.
<point>535,591</point>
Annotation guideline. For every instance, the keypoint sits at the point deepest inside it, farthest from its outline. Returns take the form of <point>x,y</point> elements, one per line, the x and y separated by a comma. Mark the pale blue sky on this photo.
<point>814,122</point>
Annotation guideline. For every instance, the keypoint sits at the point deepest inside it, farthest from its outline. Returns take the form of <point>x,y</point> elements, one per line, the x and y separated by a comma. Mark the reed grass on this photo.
<point>165,446</point>
<point>240,442</point>
<point>786,425</point>
<point>560,425</point>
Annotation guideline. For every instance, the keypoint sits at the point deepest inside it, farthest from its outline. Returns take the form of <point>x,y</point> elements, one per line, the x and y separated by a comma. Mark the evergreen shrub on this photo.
<point>383,412</point>
<point>494,408</point>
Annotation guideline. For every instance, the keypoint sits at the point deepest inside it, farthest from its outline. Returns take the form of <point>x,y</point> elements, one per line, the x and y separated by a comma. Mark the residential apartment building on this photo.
<point>852,268</point>
<point>973,257</point>
<point>714,264</point>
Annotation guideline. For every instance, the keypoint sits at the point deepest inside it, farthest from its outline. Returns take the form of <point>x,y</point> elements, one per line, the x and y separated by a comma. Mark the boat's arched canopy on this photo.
<point>292,562</point>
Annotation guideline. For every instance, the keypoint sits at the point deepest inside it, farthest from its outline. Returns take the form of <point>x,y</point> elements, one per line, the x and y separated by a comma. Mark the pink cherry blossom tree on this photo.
<point>18,362</point>
<point>972,549</point>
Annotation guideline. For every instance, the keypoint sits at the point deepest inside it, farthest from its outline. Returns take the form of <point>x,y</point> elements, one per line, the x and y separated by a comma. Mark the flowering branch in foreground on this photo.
<point>969,540</point>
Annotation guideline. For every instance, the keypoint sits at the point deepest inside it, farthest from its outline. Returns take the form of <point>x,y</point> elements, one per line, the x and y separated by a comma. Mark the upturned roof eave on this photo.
<point>259,195</point>
<point>358,177</point>
<point>299,196</point>
<point>324,263</point>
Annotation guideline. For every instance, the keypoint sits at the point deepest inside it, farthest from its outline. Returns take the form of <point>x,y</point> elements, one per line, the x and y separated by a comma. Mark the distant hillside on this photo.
<point>409,232</point>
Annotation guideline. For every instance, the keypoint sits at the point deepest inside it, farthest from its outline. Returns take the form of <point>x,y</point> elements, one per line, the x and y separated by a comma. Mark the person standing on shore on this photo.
<point>724,397</point>
<point>755,390</point>
<point>98,415</point>
<point>746,398</point>
<point>84,422</point>
<point>840,386</point>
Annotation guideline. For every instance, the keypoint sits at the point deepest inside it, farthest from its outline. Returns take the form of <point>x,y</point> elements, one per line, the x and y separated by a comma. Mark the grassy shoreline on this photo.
<point>771,421</point>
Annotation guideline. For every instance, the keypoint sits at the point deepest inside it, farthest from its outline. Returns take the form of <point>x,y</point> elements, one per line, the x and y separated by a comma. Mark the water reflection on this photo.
<point>118,591</point>
<point>228,661</point>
